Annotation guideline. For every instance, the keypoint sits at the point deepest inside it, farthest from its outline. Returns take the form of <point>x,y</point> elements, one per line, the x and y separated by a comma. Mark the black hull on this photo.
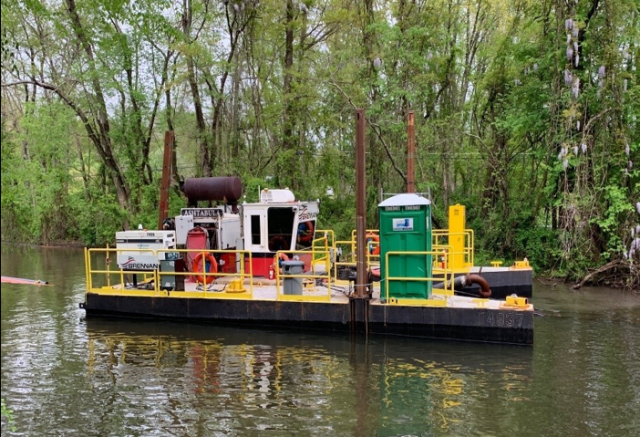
<point>478,325</point>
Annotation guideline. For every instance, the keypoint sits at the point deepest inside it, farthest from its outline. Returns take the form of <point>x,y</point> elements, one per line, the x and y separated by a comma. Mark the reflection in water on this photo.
<point>230,380</point>
<point>66,376</point>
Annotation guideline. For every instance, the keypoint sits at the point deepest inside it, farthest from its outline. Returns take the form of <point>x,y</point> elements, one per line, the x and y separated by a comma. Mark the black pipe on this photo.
<point>461,282</point>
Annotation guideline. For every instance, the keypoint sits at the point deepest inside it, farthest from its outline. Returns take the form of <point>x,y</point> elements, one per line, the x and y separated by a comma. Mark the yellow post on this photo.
<point>108,262</point>
<point>457,223</point>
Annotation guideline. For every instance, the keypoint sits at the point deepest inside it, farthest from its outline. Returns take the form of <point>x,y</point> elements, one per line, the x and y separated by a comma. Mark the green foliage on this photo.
<point>613,220</point>
<point>96,222</point>
<point>539,246</point>
<point>337,213</point>
<point>543,168</point>
<point>7,414</point>
<point>253,187</point>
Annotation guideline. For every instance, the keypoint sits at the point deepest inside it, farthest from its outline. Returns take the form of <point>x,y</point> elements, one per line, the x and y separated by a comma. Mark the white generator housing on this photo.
<point>224,228</point>
<point>139,247</point>
<point>184,223</point>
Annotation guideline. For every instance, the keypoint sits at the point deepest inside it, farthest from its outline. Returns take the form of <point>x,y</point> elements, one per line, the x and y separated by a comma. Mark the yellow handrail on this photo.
<point>447,277</point>
<point>324,262</point>
<point>309,276</point>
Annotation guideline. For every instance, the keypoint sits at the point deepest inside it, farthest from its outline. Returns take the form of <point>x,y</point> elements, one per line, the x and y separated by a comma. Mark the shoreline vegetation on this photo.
<point>526,113</point>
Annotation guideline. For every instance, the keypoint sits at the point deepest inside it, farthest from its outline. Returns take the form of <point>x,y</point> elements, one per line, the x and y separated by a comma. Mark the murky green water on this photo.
<point>63,375</point>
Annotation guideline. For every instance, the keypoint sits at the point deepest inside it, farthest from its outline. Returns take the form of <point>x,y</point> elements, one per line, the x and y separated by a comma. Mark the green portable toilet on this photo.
<point>405,225</point>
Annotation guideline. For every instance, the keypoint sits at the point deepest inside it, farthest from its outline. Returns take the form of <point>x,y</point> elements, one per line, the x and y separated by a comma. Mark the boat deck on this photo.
<point>338,292</point>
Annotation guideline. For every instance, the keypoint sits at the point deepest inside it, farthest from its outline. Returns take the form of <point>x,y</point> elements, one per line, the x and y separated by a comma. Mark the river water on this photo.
<point>64,375</point>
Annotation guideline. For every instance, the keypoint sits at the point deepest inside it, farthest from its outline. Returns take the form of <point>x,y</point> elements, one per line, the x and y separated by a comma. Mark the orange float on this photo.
<point>373,250</point>
<point>305,232</point>
<point>281,257</point>
<point>278,242</point>
<point>196,264</point>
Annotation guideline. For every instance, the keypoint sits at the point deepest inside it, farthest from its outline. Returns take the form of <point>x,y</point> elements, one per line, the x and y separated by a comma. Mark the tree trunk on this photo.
<point>101,138</point>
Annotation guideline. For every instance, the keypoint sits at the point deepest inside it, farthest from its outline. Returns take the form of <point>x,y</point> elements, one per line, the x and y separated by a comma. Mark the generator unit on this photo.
<point>222,226</point>
<point>135,249</point>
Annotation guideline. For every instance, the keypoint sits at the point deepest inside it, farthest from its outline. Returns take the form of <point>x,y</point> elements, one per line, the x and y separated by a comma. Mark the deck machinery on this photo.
<point>277,222</point>
<point>244,239</point>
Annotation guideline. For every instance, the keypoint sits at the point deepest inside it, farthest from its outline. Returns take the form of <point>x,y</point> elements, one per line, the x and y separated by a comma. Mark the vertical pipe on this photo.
<point>167,170</point>
<point>361,207</point>
<point>410,153</point>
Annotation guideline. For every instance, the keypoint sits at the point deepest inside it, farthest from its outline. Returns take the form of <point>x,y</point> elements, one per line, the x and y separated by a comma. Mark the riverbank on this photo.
<point>54,244</point>
<point>617,274</point>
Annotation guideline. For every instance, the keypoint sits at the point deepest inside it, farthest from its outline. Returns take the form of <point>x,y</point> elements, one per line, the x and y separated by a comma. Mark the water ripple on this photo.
<point>63,375</point>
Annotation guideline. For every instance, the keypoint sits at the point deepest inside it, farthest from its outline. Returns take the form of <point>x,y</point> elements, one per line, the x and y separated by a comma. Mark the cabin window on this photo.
<point>304,237</point>
<point>280,228</point>
<point>255,229</point>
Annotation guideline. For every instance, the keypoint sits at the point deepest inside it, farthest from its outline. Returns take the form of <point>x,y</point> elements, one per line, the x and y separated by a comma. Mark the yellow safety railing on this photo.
<point>107,274</point>
<point>459,260</point>
<point>322,245</point>
<point>152,280</point>
<point>346,253</point>
<point>315,284</point>
<point>347,250</point>
<point>371,245</point>
<point>462,259</point>
<point>445,276</point>
<point>354,233</point>
<point>238,282</point>
<point>309,281</point>
<point>442,258</point>
<point>234,288</point>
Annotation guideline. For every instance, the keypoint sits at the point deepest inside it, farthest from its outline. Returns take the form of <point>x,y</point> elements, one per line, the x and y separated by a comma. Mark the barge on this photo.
<point>267,264</point>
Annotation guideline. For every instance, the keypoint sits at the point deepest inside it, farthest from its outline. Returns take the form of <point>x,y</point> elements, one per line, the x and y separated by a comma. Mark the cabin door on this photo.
<point>256,231</point>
